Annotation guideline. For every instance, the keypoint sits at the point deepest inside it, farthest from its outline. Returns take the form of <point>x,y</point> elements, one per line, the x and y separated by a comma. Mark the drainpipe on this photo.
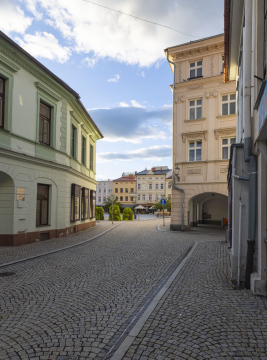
<point>249,157</point>
<point>173,155</point>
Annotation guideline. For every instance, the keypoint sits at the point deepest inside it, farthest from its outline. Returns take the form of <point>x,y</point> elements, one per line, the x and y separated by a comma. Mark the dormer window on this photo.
<point>195,69</point>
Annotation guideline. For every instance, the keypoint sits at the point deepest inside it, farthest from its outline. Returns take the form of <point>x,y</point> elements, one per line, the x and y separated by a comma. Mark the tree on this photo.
<point>108,203</point>
<point>168,206</point>
<point>116,213</point>
<point>99,213</point>
<point>127,214</point>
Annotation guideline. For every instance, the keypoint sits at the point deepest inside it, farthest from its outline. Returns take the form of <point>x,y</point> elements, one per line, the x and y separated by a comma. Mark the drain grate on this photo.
<point>5,274</point>
<point>68,357</point>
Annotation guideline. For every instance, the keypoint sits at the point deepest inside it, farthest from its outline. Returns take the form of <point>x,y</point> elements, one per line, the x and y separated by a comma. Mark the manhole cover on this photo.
<point>4,274</point>
<point>69,357</point>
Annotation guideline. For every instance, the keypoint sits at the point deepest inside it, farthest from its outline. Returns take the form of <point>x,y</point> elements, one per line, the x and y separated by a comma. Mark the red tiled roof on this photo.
<point>125,178</point>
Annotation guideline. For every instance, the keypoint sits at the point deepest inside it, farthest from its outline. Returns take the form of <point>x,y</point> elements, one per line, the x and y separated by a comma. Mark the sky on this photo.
<point>111,52</point>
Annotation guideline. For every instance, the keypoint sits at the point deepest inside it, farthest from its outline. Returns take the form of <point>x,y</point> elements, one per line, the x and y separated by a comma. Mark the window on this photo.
<point>150,197</point>
<point>75,202</point>
<point>144,197</point>
<point>44,124</point>
<point>83,150</point>
<point>139,186</point>
<point>228,104</point>
<point>85,203</point>
<point>161,186</point>
<point>104,199</point>
<point>132,190</point>
<point>150,186</point>
<point>126,190</point>
<point>121,198</point>
<point>2,101</point>
<point>73,141</point>
<point>99,199</point>
<point>126,198</point>
<point>92,204</point>
<point>222,69</point>
<point>99,190</point>
<point>226,144</point>
<point>195,69</point>
<point>42,204</point>
<point>104,190</point>
<point>121,190</point>
<point>157,186</point>
<point>131,198</point>
<point>195,109</point>
<point>91,157</point>
<point>162,196</point>
<point>156,198</point>
<point>138,197</point>
<point>116,190</point>
<point>195,149</point>
<point>169,185</point>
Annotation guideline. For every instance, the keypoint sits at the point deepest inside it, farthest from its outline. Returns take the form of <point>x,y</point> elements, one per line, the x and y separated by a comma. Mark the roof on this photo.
<point>194,41</point>
<point>156,172</point>
<point>169,177</point>
<point>24,53</point>
<point>125,178</point>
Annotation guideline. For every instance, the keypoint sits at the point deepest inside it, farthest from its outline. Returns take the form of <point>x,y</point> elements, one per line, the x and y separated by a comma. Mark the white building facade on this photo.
<point>103,191</point>
<point>47,152</point>
<point>246,59</point>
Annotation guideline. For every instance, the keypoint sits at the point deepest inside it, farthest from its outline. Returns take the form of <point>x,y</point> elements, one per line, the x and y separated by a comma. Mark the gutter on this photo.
<point>173,155</point>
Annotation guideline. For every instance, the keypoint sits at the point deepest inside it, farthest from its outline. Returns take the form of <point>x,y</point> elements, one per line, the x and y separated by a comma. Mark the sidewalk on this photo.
<point>202,316</point>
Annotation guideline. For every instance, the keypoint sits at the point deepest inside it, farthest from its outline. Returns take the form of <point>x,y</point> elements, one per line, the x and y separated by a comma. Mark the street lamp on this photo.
<point>134,196</point>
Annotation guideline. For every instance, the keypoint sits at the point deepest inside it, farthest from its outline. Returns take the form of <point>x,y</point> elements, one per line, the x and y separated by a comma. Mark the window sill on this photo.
<point>196,77</point>
<point>45,226</point>
<point>225,116</point>
<point>200,119</point>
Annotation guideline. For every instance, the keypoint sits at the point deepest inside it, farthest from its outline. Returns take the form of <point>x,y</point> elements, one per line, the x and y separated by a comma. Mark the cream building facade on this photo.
<point>103,191</point>
<point>47,152</point>
<point>203,130</point>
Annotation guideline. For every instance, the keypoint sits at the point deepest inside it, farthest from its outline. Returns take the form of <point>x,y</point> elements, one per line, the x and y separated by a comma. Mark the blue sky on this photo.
<point>117,64</point>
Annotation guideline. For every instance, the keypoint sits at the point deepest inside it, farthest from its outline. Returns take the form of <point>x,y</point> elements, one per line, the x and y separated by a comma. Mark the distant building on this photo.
<point>151,185</point>
<point>103,191</point>
<point>47,152</point>
<point>123,188</point>
<point>204,115</point>
<point>169,184</point>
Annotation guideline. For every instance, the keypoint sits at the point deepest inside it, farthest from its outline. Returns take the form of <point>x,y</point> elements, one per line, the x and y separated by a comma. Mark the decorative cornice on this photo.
<point>48,91</point>
<point>13,67</point>
<point>195,135</point>
<point>225,131</point>
<point>198,50</point>
<point>179,99</point>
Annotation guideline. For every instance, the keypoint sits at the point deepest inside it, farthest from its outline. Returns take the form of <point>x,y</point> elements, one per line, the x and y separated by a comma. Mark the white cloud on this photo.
<point>13,18</point>
<point>137,104</point>
<point>90,62</point>
<point>152,153</point>
<point>114,79</point>
<point>109,34</point>
<point>44,45</point>
<point>124,104</point>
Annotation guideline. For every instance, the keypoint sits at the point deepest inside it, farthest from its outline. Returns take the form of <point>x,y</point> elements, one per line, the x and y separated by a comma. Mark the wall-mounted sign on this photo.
<point>20,194</point>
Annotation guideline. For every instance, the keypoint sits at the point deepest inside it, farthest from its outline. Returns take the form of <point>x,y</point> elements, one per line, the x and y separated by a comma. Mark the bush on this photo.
<point>99,213</point>
<point>127,214</point>
<point>116,213</point>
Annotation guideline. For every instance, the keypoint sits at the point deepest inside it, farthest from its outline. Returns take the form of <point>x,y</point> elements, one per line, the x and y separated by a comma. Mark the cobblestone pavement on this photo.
<point>79,301</point>
<point>202,316</point>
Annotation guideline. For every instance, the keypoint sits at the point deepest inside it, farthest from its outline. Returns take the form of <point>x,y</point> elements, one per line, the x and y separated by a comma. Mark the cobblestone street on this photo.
<point>84,300</point>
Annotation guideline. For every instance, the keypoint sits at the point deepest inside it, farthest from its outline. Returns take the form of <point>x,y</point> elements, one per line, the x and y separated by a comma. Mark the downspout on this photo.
<point>249,157</point>
<point>173,155</point>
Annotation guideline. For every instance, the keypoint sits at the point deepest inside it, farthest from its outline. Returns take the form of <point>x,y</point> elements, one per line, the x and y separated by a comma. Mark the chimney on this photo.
<point>135,172</point>
<point>131,176</point>
<point>153,169</point>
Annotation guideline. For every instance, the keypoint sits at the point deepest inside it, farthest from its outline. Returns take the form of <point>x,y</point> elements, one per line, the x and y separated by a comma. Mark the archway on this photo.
<point>208,208</point>
<point>7,193</point>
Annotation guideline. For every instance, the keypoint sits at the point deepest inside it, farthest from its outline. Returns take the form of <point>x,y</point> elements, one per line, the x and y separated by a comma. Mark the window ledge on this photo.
<point>225,116</point>
<point>195,77</point>
<point>188,120</point>
<point>43,226</point>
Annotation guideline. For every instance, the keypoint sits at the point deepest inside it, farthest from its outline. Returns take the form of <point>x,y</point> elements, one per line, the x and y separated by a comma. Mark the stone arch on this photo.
<point>7,201</point>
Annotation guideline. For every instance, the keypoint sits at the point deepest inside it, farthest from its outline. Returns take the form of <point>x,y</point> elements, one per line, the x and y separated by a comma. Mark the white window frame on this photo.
<point>195,66</point>
<point>161,186</point>
<point>150,186</point>
<point>150,197</point>
<point>194,148</point>
<point>157,186</point>
<point>194,105</point>
<point>139,187</point>
<point>143,197</point>
<point>227,146</point>
<point>228,102</point>
<point>139,197</point>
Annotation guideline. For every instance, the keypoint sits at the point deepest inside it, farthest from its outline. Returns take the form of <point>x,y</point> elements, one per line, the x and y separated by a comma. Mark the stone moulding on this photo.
<point>194,171</point>
<point>224,132</point>
<point>195,135</point>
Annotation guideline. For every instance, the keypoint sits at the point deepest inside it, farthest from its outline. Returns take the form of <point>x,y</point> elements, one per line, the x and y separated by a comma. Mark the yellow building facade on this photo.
<point>204,127</point>
<point>123,188</point>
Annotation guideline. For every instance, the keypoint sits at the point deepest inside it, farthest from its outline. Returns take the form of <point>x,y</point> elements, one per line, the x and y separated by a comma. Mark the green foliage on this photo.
<point>99,213</point>
<point>167,207</point>
<point>127,214</point>
<point>116,213</point>
<point>108,203</point>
